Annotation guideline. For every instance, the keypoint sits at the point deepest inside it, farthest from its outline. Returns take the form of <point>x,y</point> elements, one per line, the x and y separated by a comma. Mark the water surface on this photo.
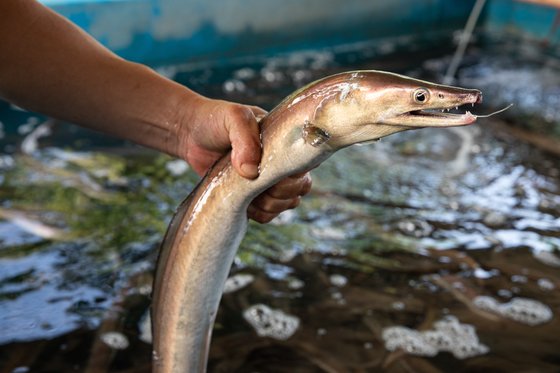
<point>460,227</point>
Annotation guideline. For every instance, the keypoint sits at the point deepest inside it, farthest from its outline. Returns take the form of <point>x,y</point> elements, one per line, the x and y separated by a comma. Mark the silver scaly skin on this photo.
<point>300,133</point>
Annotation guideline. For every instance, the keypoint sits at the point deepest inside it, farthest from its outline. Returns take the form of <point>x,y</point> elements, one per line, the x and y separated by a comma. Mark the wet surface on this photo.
<point>452,236</point>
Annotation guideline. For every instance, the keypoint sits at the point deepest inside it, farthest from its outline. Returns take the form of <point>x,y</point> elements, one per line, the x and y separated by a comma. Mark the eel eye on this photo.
<point>421,95</point>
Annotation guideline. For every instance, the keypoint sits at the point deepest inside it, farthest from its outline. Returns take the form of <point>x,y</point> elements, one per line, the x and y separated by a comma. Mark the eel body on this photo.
<point>301,132</point>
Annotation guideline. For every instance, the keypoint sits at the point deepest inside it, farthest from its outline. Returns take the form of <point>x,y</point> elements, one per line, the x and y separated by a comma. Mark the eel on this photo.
<point>306,128</point>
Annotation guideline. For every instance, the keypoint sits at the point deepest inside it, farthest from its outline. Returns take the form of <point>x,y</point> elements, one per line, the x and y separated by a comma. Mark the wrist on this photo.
<point>163,116</point>
<point>184,122</point>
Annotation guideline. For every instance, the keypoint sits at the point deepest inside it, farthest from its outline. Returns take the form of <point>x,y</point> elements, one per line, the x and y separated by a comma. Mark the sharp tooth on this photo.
<point>472,104</point>
<point>456,107</point>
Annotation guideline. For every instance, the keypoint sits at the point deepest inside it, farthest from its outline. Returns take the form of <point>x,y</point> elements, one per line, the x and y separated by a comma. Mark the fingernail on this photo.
<point>250,170</point>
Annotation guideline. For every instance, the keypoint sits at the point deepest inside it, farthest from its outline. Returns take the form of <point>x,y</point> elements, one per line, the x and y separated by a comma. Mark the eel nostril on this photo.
<point>479,97</point>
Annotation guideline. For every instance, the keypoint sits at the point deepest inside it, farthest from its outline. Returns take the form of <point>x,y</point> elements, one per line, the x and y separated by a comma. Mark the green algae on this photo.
<point>264,243</point>
<point>108,199</point>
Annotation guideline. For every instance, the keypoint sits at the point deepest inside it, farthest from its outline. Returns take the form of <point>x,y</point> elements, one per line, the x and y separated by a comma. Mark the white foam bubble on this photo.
<point>329,233</point>
<point>177,167</point>
<point>234,85</point>
<point>145,289</point>
<point>115,340</point>
<point>145,328</point>
<point>523,310</point>
<point>484,274</point>
<point>338,280</point>
<point>31,142</point>
<point>545,284</point>
<point>28,126</point>
<point>245,73</point>
<point>21,369</point>
<point>295,284</point>
<point>271,323</point>
<point>448,335</point>
<point>398,306</point>
<point>238,281</point>
<point>520,279</point>
<point>286,217</point>
<point>547,257</point>
<point>6,162</point>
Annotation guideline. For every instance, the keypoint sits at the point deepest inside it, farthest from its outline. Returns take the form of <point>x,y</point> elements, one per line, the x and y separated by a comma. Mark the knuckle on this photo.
<point>263,217</point>
<point>264,210</point>
<point>268,218</point>
<point>258,112</point>
<point>270,205</point>
<point>276,205</point>
<point>264,203</point>
<point>290,188</point>
<point>276,191</point>
<point>306,185</point>
<point>240,112</point>
<point>294,203</point>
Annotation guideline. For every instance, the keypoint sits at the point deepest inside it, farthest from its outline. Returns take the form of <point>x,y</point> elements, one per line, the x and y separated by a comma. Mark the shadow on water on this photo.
<point>408,255</point>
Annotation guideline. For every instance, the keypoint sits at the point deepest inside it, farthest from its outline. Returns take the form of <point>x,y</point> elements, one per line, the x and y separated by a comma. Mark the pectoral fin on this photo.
<point>314,136</point>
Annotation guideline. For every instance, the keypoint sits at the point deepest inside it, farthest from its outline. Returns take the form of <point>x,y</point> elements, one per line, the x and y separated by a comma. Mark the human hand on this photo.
<point>214,127</point>
<point>157,113</point>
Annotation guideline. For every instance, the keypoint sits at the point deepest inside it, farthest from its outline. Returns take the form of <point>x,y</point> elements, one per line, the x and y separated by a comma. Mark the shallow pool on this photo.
<point>433,250</point>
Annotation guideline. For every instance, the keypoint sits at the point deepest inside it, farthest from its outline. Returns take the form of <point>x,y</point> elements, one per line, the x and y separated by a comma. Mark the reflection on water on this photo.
<point>409,255</point>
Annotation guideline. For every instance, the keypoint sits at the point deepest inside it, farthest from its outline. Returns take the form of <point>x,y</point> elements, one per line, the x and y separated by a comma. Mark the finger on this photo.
<point>258,112</point>
<point>245,141</point>
<point>271,209</point>
<point>201,159</point>
<point>260,216</point>
<point>274,205</point>
<point>291,187</point>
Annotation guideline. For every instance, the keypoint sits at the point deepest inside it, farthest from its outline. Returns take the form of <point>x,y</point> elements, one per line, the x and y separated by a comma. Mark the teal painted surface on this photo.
<point>176,31</point>
<point>536,21</point>
<point>171,31</point>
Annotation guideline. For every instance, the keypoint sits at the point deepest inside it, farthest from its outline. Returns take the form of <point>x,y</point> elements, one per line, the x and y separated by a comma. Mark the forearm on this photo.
<point>48,65</point>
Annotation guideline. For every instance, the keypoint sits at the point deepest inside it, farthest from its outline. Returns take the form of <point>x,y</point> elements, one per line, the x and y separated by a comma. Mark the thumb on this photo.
<point>245,141</point>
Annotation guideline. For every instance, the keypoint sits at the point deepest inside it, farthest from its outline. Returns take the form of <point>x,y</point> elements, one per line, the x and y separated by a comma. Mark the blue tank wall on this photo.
<point>539,22</point>
<point>171,31</point>
<point>165,31</point>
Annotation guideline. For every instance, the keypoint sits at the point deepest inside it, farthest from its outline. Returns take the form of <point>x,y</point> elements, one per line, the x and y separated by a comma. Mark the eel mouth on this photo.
<point>443,116</point>
<point>439,117</point>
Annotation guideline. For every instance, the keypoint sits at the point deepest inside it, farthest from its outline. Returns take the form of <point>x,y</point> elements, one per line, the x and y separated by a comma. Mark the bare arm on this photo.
<point>49,65</point>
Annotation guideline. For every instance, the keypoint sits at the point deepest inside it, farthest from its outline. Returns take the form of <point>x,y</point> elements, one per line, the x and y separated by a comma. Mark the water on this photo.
<point>411,232</point>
